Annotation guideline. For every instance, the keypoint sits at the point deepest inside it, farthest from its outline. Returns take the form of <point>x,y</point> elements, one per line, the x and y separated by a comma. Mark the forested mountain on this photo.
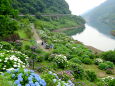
<point>105,14</point>
<point>41,6</point>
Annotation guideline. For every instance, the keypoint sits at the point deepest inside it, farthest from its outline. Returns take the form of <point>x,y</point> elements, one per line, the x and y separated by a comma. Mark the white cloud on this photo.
<point>80,6</point>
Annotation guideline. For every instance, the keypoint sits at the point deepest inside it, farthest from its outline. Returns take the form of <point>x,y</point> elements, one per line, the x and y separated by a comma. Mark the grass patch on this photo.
<point>100,73</point>
<point>5,82</point>
<point>22,34</point>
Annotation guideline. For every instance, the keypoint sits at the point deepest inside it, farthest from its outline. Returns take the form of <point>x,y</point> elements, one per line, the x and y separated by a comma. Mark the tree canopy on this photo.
<point>41,6</point>
<point>7,24</point>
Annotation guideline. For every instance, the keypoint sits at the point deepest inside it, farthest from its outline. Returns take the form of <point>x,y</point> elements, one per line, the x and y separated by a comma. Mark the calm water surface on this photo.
<point>92,37</point>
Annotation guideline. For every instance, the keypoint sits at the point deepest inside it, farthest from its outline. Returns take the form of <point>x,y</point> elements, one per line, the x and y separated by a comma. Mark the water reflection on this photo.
<point>102,28</point>
<point>91,36</point>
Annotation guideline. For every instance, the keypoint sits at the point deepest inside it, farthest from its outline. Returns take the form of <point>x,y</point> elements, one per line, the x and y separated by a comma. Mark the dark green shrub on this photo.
<point>109,71</point>
<point>91,76</point>
<point>87,61</point>
<point>110,64</point>
<point>100,83</point>
<point>78,72</point>
<point>76,60</point>
<point>40,58</point>
<point>5,45</point>
<point>27,47</point>
<point>103,66</point>
<point>112,83</point>
<point>109,56</point>
<point>106,65</point>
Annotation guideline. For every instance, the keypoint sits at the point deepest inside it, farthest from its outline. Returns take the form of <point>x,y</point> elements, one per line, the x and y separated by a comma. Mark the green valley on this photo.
<point>33,53</point>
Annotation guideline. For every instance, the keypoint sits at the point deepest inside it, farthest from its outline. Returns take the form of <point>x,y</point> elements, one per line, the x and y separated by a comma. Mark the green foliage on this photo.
<point>74,31</point>
<point>78,72</point>
<point>62,22</point>
<point>49,79</point>
<point>109,71</point>
<point>5,82</point>
<point>61,60</point>
<point>109,56</point>
<point>6,8</point>
<point>12,59</point>
<point>7,26</point>
<point>106,65</point>
<point>103,66</point>
<point>87,60</point>
<point>91,76</point>
<point>41,6</point>
<point>5,45</point>
<point>112,82</point>
<point>52,79</point>
<point>76,60</point>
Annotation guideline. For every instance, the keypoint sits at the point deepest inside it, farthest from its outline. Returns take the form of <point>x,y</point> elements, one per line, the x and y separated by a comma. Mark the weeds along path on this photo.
<point>37,38</point>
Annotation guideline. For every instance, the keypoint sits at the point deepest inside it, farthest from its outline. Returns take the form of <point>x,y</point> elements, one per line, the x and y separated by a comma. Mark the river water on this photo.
<point>93,37</point>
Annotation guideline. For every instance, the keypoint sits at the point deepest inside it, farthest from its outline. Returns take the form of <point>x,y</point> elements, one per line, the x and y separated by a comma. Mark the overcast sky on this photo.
<point>81,6</point>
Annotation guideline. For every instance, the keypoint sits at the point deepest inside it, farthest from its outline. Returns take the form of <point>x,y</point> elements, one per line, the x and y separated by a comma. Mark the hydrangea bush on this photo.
<point>61,60</point>
<point>10,59</point>
<point>52,79</point>
<point>5,45</point>
<point>98,61</point>
<point>24,77</point>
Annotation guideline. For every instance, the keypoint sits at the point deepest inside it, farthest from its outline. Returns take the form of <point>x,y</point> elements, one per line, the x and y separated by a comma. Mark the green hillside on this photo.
<point>104,13</point>
<point>41,6</point>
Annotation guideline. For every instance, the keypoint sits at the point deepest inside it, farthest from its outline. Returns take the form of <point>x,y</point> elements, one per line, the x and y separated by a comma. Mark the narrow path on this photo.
<point>49,15</point>
<point>37,38</point>
<point>64,29</point>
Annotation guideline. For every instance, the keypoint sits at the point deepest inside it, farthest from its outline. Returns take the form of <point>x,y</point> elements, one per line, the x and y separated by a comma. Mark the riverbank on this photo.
<point>68,28</point>
<point>93,49</point>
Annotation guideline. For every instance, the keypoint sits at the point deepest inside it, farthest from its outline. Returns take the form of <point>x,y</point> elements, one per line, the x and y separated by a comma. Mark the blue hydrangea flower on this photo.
<point>27,85</point>
<point>8,71</point>
<point>37,84</point>
<point>13,75</point>
<point>33,74</point>
<point>20,79</point>
<point>31,71</point>
<point>2,74</point>
<point>26,70</point>
<point>17,82</point>
<point>37,78</point>
<point>16,70</point>
<point>19,85</point>
<point>20,75</point>
<point>33,84</point>
<point>30,78</point>
<point>30,82</point>
<point>26,74</point>
<point>42,82</point>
